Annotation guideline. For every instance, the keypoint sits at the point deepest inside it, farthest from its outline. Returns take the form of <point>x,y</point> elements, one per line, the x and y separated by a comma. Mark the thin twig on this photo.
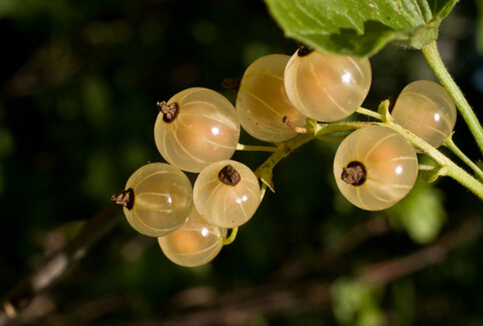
<point>290,298</point>
<point>387,271</point>
<point>55,267</point>
<point>276,300</point>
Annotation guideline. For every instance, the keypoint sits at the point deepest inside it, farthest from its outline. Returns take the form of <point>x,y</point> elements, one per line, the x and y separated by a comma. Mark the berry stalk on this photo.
<point>462,156</point>
<point>255,148</point>
<point>264,171</point>
<point>314,130</point>
<point>228,240</point>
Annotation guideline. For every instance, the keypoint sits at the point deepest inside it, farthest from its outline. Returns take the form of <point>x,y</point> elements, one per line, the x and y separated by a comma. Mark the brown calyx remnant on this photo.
<point>125,198</point>
<point>300,130</point>
<point>229,176</point>
<point>354,173</point>
<point>231,84</point>
<point>170,111</point>
<point>304,50</point>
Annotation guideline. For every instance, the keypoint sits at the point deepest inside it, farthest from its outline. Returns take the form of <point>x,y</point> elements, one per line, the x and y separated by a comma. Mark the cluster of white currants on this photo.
<point>198,130</point>
<point>375,167</point>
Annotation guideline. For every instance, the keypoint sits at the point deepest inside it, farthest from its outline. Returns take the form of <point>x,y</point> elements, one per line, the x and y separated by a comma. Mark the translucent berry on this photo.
<point>262,102</point>
<point>375,167</point>
<point>157,200</point>
<point>196,243</point>
<point>327,87</point>
<point>226,194</point>
<point>196,127</point>
<point>426,109</point>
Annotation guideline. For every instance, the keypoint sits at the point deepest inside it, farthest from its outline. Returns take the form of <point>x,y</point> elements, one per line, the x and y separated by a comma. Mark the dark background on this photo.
<point>79,82</point>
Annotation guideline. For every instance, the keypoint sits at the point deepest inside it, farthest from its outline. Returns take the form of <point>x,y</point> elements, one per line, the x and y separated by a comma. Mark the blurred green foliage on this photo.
<point>421,213</point>
<point>79,83</point>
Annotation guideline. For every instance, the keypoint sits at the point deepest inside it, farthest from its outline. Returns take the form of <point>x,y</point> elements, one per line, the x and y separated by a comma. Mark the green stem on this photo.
<point>450,168</point>
<point>455,149</point>
<point>282,152</point>
<point>316,130</point>
<point>226,241</point>
<point>369,113</point>
<point>433,58</point>
<point>425,167</point>
<point>254,148</point>
<point>323,130</point>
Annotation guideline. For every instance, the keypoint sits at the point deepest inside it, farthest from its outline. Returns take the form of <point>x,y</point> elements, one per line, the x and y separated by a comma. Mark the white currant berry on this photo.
<point>375,167</point>
<point>327,87</point>
<point>262,101</point>
<point>226,193</point>
<point>426,109</point>
<point>157,200</point>
<point>196,127</point>
<point>196,243</point>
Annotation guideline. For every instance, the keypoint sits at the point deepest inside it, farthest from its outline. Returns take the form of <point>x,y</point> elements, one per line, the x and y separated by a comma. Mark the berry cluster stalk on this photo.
<point>449,143</point>
<point>434,60</point>
<point>446,167</point>
<point>326,131</point>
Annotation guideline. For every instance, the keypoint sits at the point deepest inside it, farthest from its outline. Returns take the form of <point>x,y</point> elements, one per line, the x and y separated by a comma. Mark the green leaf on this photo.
<point>360,27</point>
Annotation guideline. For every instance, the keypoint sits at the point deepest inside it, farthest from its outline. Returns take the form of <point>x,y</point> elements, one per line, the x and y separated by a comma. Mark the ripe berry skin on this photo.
<point>162,199</point>
<point>223,204</point>
<point>206,129</point>
<point>390,163</point>
<point>326,87</point>
<point>194,244</point>
<point>262,102</point>
<point>426,109</point>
